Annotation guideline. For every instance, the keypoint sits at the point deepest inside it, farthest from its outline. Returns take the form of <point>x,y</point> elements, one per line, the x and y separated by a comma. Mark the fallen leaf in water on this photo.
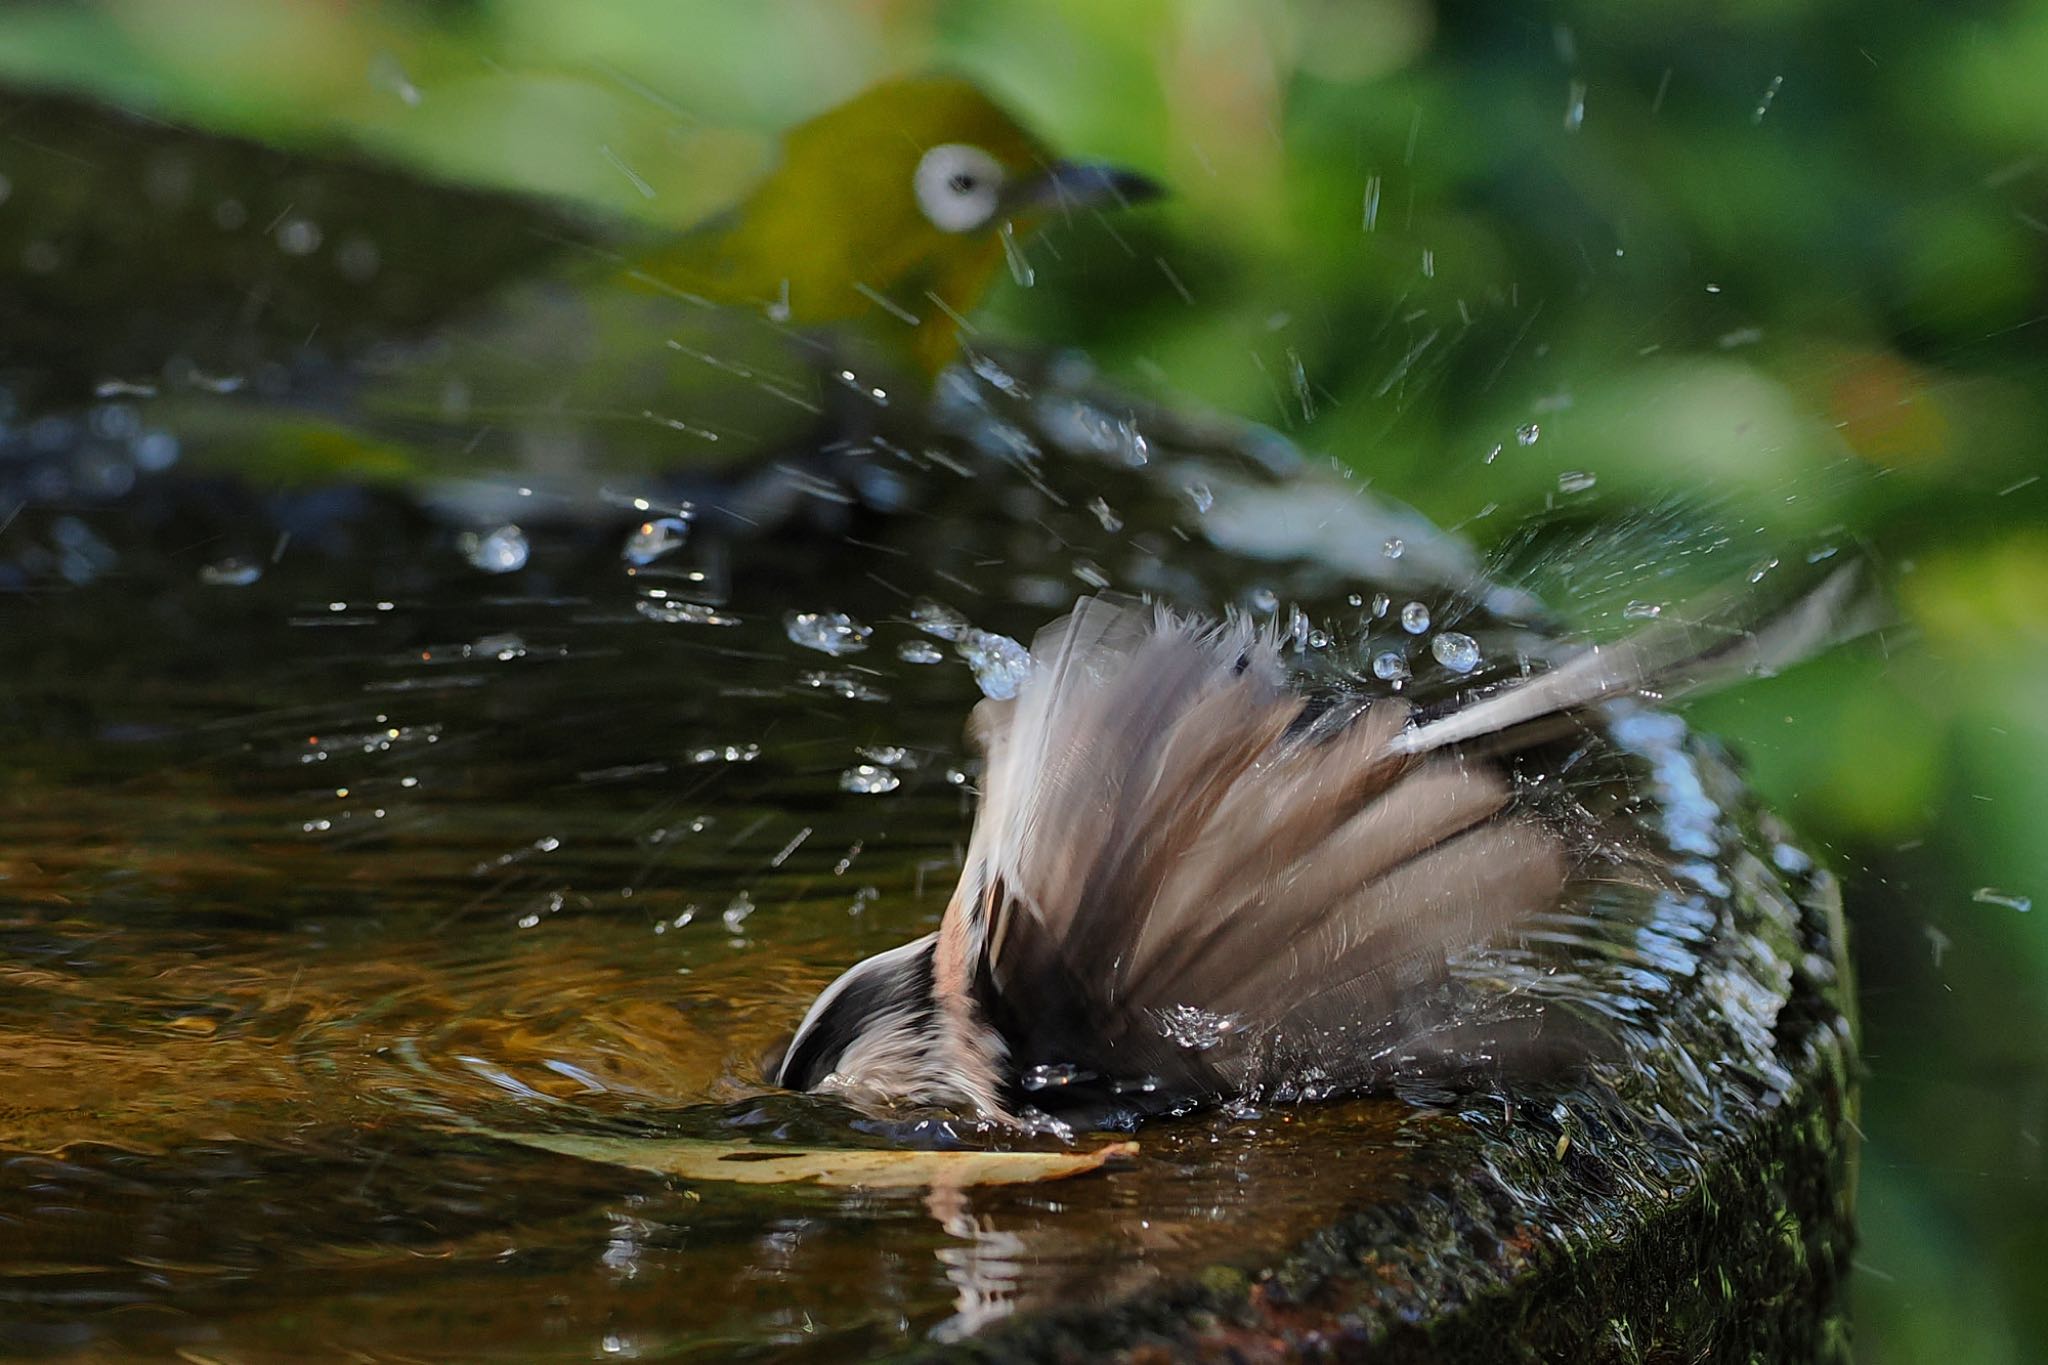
<point>869,1167</point>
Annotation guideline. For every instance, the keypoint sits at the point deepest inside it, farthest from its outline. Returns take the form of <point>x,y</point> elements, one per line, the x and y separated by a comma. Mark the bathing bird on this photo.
<point>1189,883</point>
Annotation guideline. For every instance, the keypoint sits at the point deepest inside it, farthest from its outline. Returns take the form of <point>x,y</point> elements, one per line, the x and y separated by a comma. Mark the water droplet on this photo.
<point>1991,895</point>
<point>501,551</point>
<point>998,378</point>
<point>1576,481</point>
<point>1020,268</point>
<point>655,539</point>
<point>1381,604</point>
<point>1787,858</point>
<point>1201,496</point>
<point>1528,434</point>
<point>504,648</point>
<point>1005,441</point>
<point>1494,454</point>
<point>1082,428</point>
<point>1356,599</point>
<point>845,686</point>
<point>1052,1075</point>
<point>1394,548</point>
<point>938,619</point>
<point>736,912</point>
<point>387,74</point>
<point>1111,522</point>
<point>1763,104</point>
<point>155,451</point>
<point>232,572</point>
<point>1297,373</point>
<point>216,383</point>
<point>919,652</point>
<point>1455,651</point>
<point>1000,664</point>
<point>1192,1027</point>
<point>869,779</point>
<point>1642,611</point>
<point>730,753</point>
<point>1415,618</point>
<point>1390,667</point>
<point>298,237</point>
<point>672,612</point>
<point>1264,600</point>
<point>1575,107</point>
<point>879,397</point>
<point>828,632</point>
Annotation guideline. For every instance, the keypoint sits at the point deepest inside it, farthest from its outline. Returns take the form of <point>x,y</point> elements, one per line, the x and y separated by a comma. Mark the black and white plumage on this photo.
<point>1187,882</point>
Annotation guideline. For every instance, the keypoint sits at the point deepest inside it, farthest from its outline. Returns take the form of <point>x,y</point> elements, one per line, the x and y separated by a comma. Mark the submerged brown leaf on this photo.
<point>870,1168</point>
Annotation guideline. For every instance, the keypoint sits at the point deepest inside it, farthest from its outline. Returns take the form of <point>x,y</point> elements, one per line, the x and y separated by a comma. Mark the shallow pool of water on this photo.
<point>328,851</point>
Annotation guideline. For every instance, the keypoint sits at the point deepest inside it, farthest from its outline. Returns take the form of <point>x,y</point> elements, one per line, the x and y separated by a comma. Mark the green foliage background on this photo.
<point>1783,260</point>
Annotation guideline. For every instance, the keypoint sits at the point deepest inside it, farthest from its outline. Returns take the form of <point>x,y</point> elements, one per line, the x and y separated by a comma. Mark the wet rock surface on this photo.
<point>1584,1221</point>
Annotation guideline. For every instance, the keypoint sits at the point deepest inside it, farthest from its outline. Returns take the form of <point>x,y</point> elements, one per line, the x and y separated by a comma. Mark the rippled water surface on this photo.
<point>335,837</point>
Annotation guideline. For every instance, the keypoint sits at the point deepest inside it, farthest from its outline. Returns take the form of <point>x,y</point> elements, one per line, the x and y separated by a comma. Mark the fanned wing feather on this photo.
<point>1182,872</point>
<point>1170,842</point>
<point>1672,656</point>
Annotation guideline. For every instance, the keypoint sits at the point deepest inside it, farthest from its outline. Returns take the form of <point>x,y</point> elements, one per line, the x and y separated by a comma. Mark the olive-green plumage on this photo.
<point>843,277</point>
<point>840,215</point>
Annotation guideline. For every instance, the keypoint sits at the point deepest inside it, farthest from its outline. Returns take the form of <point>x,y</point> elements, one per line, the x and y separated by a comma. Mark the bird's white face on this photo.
<point>958,187</point>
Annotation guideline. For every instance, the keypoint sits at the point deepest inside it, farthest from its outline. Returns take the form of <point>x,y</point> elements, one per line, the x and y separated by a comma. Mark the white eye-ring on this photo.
<point>958,186</point>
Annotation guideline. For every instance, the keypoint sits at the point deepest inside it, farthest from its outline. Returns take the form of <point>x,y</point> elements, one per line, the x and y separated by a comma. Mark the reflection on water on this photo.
<point>308,873</point>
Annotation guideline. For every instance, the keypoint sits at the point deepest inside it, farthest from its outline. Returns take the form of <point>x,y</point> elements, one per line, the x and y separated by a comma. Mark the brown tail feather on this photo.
<point>1163,838</point>
<point>1176,872</point>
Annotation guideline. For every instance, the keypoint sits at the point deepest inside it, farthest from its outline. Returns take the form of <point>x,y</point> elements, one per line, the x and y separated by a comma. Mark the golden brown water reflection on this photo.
<point>250,1145</point>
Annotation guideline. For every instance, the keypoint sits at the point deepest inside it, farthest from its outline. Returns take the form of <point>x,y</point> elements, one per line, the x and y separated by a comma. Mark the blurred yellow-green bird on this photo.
<point>892,208</point>
<point>841,283</point>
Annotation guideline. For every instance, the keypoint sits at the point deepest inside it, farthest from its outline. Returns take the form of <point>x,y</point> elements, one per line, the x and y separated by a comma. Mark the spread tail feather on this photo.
<point>1672,656</point>
<point>1182,873</point>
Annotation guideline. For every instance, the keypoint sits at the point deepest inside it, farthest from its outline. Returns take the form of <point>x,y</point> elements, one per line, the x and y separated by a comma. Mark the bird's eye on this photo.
<point>958,187</point>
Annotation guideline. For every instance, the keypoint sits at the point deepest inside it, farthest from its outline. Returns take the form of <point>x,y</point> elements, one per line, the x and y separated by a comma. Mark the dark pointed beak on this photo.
<point>1067,185</point>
